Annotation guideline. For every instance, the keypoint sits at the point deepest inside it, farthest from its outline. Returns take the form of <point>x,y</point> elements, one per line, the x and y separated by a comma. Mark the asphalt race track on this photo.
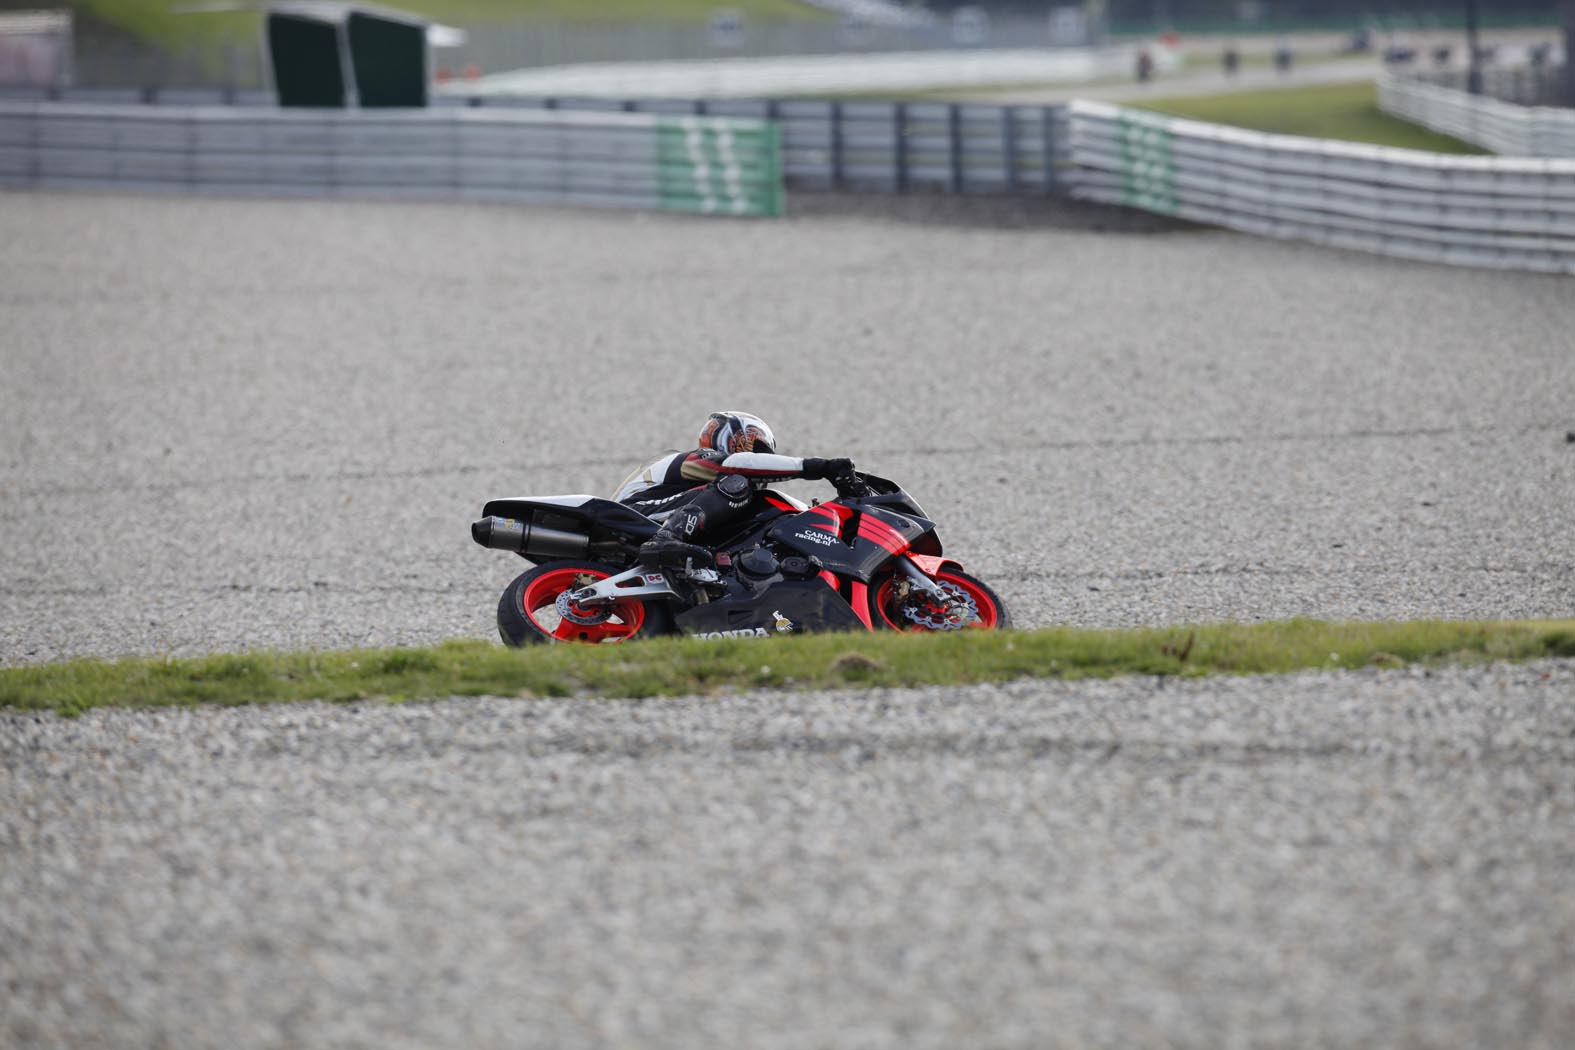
<point>229,424</point>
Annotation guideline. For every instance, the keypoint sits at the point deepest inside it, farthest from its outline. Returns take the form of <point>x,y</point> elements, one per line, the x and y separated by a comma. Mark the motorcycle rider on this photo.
<point>711,487</point>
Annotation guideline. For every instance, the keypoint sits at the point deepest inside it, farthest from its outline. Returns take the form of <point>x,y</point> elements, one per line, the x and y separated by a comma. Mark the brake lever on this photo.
<point>850,485</point>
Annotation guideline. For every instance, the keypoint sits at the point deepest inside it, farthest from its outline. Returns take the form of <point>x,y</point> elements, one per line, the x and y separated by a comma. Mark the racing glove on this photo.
<point>820,469</point>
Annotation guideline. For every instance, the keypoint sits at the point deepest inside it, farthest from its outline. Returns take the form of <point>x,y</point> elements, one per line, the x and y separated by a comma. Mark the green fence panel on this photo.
<point>717,165</point>
<point>1148,162</point>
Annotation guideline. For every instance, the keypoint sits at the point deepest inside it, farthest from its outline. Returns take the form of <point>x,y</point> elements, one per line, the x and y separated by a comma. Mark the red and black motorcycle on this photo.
<point>868,560</point>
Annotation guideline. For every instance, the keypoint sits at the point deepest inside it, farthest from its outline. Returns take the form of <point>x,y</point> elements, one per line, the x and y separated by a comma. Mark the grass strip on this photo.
<point>1348,112</point>
<point>666,667</point>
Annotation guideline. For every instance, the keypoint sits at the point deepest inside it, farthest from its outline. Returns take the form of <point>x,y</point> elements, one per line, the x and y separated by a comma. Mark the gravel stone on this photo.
<point>231,424</point>
<point>1375,858</point>
<point>227,424</point>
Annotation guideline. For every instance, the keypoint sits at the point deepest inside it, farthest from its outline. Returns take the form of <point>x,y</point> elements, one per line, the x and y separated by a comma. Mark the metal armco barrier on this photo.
<point>1528,85</point>
<point>682,163</point>
<point>892,146</point>
<point>1503,127</point>
<point>734,156</point>
<point>1476,211</point>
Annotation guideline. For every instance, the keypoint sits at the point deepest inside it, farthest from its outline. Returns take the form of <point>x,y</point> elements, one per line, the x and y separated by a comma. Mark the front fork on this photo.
<point>920,580</point>
<point>953,601</point>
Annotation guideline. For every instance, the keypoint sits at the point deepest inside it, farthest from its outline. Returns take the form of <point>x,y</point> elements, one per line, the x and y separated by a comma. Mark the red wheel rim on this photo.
<point>989,615</point>
<point>539,603</point>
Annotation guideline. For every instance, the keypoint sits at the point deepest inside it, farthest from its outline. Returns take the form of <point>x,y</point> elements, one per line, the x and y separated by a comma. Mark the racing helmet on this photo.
<point>729,432</point>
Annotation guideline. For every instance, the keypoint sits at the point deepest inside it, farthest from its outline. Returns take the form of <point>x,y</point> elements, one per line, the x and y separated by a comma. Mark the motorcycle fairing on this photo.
<point>888,494</point>
<point>850,541</point>
<point>785,607</point>
<point>572,500</point>
<point>785,502</point>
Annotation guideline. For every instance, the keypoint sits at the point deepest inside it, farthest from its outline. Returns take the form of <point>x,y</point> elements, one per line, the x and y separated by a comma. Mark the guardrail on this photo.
<point>683,163</point>
<point>1524,85</point>
<point>150,96</point>
<point>891,146</point>
<point>1503,127</point>
<point>1476,211</point>
<point>735,155</point>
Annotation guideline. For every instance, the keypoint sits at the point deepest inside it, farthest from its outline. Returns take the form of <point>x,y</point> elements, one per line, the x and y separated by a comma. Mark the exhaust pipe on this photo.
<point>531,540</point>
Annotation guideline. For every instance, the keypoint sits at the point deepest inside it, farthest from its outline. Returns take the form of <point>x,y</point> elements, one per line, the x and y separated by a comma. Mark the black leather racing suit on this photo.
<point>703,492</point>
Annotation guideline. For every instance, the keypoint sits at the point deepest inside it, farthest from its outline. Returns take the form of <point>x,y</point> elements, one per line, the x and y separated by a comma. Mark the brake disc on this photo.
<point>959,611</point>
<point>577,615</point>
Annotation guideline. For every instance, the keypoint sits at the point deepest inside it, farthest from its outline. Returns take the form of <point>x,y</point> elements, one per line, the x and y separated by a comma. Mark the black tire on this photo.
<point>992,611</point>
<point>520,625</point>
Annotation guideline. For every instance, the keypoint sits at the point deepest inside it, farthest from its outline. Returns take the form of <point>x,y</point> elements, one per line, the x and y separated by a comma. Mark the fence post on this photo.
<point>954,148</point>
<point>836,145</point>
<point>192,124</point>
<point>1009,145</point>
<point>1047,130</point>
<point>899,146</point>
<point>35,141</point>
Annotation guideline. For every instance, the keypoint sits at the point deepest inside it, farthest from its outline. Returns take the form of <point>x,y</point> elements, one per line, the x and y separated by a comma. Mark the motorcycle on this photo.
<point>868,560</point>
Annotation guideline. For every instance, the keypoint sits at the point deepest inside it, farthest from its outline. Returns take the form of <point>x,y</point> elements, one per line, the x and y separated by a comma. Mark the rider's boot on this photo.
<point>668,550</point>
<point>676,544</point>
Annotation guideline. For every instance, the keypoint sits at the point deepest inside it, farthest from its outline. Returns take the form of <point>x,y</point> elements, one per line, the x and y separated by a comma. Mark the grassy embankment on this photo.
<point>666,667</point>
<point>1348,112</point>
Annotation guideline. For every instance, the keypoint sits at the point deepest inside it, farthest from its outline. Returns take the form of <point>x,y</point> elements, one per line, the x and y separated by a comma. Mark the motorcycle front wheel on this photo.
<point>921,613</point>
<point>533,609</point>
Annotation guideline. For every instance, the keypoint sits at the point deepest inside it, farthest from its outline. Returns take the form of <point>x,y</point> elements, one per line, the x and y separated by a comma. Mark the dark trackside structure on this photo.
<point>334,56</point>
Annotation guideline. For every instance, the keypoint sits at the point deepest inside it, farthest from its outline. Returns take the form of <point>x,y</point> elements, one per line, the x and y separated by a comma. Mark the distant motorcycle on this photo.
<point>868,560</point>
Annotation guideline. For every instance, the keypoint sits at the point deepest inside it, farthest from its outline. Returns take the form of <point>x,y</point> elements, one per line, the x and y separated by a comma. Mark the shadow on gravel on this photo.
<point>982,212</point>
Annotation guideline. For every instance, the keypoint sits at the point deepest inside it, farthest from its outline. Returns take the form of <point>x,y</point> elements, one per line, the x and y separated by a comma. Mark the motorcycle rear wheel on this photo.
<point>886,614</point>
<point>529,614</point>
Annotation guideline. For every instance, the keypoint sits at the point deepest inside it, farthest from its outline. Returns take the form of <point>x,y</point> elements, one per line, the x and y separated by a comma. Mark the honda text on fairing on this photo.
<point>868,560</point>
